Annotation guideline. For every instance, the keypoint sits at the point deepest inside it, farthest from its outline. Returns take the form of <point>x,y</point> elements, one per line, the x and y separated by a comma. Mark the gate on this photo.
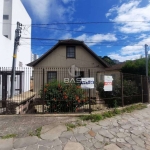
<point>127,89</point>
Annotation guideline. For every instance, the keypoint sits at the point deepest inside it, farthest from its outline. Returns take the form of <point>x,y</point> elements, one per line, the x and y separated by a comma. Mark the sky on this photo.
<point>115,28</point>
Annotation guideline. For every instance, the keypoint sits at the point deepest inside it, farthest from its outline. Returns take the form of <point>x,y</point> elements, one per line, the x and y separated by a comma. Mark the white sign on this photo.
<point>87,83</point>
<point>108,83</point>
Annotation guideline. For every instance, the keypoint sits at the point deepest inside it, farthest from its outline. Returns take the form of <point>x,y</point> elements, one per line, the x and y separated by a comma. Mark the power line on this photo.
<point>91,45</point>
<point>89,32</point>
<point>98,22</point>
<point>66,30</point>
<point>43,39</point>
<point>89,22</point>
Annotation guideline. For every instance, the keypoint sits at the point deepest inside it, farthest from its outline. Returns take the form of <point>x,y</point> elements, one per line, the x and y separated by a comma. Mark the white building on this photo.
<point>34,57</point>
<point>11,12</point>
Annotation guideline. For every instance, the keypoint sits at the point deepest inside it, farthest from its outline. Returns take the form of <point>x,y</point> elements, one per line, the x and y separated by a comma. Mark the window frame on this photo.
<point>74,51</point>
<point>48,77</point>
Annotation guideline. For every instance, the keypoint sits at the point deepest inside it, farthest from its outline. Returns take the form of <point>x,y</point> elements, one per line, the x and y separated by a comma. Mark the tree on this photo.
<point>136,67</point>
<point>108,60</point>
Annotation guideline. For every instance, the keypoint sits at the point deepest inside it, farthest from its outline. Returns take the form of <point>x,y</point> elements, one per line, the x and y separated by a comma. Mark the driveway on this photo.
<point>126,132</point>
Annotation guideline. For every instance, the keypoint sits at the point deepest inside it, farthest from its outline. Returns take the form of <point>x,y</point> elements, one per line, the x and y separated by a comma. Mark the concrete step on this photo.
<point>98,107</point>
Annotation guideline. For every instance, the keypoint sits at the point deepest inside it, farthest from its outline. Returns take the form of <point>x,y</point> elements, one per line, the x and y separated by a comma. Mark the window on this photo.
<point>51,76</point>
<point>20,64</point>
<point>79,75</point>
<point>6,36</point>
<point>70,52</point>
<point>5,17</point>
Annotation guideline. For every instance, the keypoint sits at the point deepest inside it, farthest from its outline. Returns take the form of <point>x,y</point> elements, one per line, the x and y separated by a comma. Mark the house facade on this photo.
<point>68,60</point>
<point>11,12</point>
<point>113,71</point>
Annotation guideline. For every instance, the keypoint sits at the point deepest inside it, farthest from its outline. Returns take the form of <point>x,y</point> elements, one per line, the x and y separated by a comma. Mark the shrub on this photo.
<point>61,97</point>
<point>113,98</point>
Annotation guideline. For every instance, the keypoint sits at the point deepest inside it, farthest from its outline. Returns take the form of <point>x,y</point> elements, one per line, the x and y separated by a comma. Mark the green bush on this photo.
<point>61,97</point>
<point>113,98</point>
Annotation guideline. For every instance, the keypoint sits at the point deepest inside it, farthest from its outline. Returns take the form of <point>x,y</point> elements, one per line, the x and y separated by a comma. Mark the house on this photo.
<point>113,71</point>
<point>66,61</point>
<point>11,12</point>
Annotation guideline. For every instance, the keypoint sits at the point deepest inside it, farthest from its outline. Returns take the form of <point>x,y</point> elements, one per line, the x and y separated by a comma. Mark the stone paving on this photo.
<point>122,132</point>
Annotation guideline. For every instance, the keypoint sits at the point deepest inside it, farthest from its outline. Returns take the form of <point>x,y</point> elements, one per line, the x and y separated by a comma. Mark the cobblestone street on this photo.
<point>126,132</point>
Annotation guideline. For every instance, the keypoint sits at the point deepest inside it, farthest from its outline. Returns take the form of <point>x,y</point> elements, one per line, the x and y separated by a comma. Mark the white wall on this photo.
<point>6,49</point>
<point>19,14</point>
<point>7,10</point>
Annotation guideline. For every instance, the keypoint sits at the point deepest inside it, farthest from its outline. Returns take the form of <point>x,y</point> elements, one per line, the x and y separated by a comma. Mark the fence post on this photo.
<point>89,94</point>
<point>122,90</point>
<point>147,90</point>
<point>43,91</point>
<point>142,87</point>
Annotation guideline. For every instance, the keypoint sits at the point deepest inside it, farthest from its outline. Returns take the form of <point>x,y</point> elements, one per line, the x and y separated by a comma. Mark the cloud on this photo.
<point>127,13</point>
<point>111,11</point>
<point>137,48</point>
<point>97,38</point>
<point>66,36</point>
<point>49,10</point>
<point>123,58</point>
<point>131,52</point>
<point>80,28</point>
<point>142,36</point>
<point>67,1</point>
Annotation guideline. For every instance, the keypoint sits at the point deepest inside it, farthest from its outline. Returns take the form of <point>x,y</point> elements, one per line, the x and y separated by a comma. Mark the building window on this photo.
<point>51,76</point>
<point>20,64</point>
<point>5,17</point>
<point>70,52</point>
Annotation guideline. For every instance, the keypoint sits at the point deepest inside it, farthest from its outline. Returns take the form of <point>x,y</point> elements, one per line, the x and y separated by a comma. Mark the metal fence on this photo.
<point>57,90</point>
<point>127,89</point>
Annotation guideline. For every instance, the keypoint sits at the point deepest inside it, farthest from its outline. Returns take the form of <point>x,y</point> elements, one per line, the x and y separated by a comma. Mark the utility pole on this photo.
<point>146,57</point>
<point>16,43</point>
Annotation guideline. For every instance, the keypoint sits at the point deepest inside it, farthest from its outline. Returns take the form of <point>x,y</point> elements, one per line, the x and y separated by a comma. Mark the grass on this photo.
<point>37,133</point>
<point>9,136</point>
<point>71,126</point>
<point>109,114</point>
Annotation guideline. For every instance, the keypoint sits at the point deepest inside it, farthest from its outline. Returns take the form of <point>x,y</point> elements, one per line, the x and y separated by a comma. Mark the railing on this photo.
<point>36,91</point>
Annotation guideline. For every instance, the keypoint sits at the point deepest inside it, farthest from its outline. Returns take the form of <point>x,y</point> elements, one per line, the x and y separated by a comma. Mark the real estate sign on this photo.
<point>108,83</point>
<point>87,83</point>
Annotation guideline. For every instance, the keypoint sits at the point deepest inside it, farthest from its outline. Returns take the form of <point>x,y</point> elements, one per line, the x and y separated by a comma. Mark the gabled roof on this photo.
<point>68,42</point>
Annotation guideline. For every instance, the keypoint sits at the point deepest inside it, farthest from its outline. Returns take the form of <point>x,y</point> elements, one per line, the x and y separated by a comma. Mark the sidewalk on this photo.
<point>126,132</point>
